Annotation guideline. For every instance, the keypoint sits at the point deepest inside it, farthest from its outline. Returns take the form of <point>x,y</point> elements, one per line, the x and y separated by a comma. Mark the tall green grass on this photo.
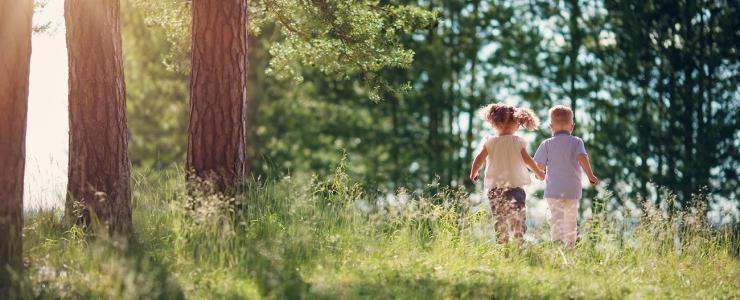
<point>327,238</point>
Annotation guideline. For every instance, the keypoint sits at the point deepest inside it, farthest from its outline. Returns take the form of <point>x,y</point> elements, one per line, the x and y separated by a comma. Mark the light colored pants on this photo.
<point>563,217</point>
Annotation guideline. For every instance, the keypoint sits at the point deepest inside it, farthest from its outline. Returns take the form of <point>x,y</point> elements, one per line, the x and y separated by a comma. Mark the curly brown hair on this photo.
<point>501,115</point>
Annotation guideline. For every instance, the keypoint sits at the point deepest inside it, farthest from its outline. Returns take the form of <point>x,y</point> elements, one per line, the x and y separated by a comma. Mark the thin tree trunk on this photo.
<point>663,131</point>
<point>472,100</point>
<point>575,46</point>
<point>706,158</point>
<point>99,167</point>
<point>15,57</point>
<point>690,169</point>
<point>218,91</point>
<point>449,167</point>
<point>395,142</point>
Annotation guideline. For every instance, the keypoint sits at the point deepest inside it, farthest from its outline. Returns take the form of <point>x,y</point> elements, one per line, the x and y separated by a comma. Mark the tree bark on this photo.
<point>395,142</point>
<point>99,168</point>
<point>575,47</point>
<point>218,90</point>
<point>15,57</point>
<point>472,99</point>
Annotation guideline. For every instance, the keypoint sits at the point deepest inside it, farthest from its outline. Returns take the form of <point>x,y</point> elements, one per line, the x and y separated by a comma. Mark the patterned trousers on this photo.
<point>509,212</point>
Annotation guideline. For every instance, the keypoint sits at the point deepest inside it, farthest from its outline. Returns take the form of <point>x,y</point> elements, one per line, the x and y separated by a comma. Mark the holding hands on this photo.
<point>539,174</point>
<point>593,180</point>
<point>473,177</point>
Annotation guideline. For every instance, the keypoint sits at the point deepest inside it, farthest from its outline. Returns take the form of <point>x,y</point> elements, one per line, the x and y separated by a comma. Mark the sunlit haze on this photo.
<point>47,133</point>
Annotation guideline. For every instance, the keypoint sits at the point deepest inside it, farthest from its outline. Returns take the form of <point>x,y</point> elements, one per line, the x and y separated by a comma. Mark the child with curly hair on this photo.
<point>506,173</point>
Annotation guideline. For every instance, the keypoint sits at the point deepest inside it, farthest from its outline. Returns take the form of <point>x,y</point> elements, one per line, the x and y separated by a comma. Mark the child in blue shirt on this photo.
<point>562,157</point>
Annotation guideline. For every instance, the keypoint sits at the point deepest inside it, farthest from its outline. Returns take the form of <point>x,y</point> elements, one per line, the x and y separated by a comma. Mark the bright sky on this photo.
<point>46,136</point>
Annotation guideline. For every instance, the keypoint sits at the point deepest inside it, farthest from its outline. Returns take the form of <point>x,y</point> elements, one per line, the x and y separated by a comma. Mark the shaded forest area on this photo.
<point>654,84</point>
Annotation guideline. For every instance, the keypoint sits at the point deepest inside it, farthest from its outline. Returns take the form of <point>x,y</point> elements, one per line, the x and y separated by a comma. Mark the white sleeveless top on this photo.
<point>504,164</point>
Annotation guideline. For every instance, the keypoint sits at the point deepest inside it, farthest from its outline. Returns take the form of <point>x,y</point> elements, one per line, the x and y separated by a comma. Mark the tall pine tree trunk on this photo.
<point>15,57</point>
<point>218,90</point>
<point>99,168</point>
<point>472,99</point>
<point>395,141</point>
<point>575,46</point>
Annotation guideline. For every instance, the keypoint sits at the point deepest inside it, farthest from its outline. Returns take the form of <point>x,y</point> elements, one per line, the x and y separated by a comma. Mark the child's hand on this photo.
<point>593,180</point>
<point>473,177</point>
<point>539,175</point>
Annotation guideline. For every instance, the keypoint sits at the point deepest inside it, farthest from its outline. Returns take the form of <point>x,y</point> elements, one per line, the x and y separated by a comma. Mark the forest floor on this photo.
<point>319,239</point>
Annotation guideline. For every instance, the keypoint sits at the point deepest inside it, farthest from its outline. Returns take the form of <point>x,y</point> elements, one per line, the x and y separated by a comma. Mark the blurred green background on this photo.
<point>654,85</point>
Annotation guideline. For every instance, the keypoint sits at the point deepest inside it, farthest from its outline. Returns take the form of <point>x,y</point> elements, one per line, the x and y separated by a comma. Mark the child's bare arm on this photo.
<point>586,165</point>
<point>543,167</point>
<point>532,165</point>
<point>477,163</point>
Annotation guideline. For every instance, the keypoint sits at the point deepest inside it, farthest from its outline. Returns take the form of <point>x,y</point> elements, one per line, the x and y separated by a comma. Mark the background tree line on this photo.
<point>654,85</point>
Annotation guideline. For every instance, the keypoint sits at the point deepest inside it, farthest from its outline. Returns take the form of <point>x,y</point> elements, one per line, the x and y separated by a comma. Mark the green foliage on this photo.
<point>172,17</point>
<point>289,241</point>
<point>156,95</point>
<point>672,114</point>
<point>338,38</point>
<point>646,124</point>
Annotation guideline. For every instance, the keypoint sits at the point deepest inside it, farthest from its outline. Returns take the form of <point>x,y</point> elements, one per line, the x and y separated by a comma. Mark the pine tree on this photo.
<point>678,115</point>
<point>15,49</point>
<point>99,168</point>
<point>217,143</point>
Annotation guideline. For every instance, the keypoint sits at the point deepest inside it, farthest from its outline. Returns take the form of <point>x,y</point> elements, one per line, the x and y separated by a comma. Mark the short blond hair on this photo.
<point>561,115</point>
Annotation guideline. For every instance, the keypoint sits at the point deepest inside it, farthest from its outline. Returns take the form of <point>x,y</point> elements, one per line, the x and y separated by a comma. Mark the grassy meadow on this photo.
<point>322,239</point>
